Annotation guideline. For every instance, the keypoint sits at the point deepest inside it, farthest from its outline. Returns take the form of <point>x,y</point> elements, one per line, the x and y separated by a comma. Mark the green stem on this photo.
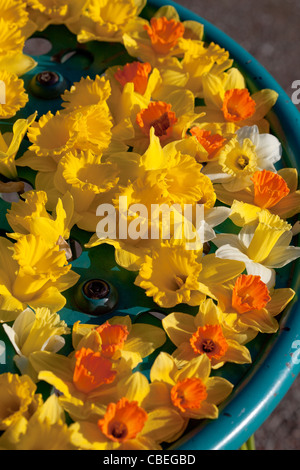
<point>249,444</point>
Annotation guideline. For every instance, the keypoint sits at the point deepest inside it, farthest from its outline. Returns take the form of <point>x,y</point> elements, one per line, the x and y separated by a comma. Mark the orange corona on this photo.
<point>269,188</point>
<point>210,142</point>
<point>188,394</point>
<point>157,115</point>
<point>112,337</point>
<point>209,340</point>
<point>91,370</point>
<point>136,73</point>
<point>164,34</point>
<point>238,105</point>
<point>249,293</point>
<point>123,420</point>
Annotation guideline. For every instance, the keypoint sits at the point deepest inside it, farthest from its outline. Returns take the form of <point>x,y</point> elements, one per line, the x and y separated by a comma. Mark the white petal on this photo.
<point>230,252</point>
<point>205,232</point>
<point>228,239</point>
<point>217,215</point>
<point>269,149</point>
<point>13,337</point>
<point>246,234</point>
<point>248,132</point>
<point>54,344</point>
<point>267,275</point>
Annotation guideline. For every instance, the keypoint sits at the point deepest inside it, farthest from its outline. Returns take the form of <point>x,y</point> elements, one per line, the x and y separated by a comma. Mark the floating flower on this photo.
<point>228,100</point>
<point>46,12</point>
<point>89,180</point>
<point>86,92</point>
<point>46,429</point>
<point>126,424</point>
<point>29,215</point>
<point>108,20</point>
<point>15,95</point>
<point>164,37</point>
<point>18,399</point>
<point>247,303</point>
<point>190,390</point>
<point>34,276</point>
<point>10,144</point>
<point>41,134</point>
<point>204,334</point>
<point>171,274</point>
<point>43,332</point>
<point>242,156</point>
<point>12,38</point>
<point>83,379</point>
<point>276,192</point>
<point>119,338</point>
<point>262,246</point>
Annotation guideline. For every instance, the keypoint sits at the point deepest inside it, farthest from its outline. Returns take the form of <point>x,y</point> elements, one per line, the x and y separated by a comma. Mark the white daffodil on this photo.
<point>247,152</point>
<point>263,246</point>
<point>39,331</point>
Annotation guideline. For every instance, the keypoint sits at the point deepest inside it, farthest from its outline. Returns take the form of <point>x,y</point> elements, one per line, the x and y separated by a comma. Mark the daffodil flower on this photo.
<point>9,146</point>
<point>126,424</point>
<point>108,20</point>
<point>190,390</point>
<point>118,338</point>
<point>18,399</point>
<point>276,192</point>
<point>188,71</point>
<point>46,12</point>
<point>35,331</point>
<point>163,38</point>
<point>228,100</point>
<point>45,429</point>
<point>34,275</point>
<point>85,379</point>
<point>205,334</point>
<point>242,156</point>
<point>263,246</point>
<point>15,28</point>
<point>172,275</point>
<point>247,303</point>
<point>15,96</point>
<point>29,215</point>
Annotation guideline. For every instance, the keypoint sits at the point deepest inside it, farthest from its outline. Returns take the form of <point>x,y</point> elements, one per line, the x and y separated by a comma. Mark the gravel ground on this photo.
<point>269,30</point>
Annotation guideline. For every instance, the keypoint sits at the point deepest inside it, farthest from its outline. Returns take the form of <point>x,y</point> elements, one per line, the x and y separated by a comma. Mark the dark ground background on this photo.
<point>270,31</point>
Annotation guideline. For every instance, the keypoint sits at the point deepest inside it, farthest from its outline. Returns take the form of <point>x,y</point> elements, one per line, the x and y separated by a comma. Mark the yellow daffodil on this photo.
<point>13,32</point>
<point>18,399</point>
<point>244,155</point>
<point>126,424</point>
<point>108,20</point>
<point>228,100</point>
<point>262,246</point>
<point>119,338</point>
<point>9,146</point>
<point>85,380</point>
<point>209,139</point>
<point>198,60</point>
<point>190,390</point>
<point>43,332</point>
<point>172,274</point>
<point>164,37</point>
<point>170,120</point>
<point>46,12</point>
<point>276,192</point>
<point>46,429</point>
<point>247,303</point>
<point>29,215</point>
<point>204,334</point>
<point>15,95</point>
<point>41,135</point>
<point>88,179</point>
<point>86,92</point>
<point>32,274</point>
